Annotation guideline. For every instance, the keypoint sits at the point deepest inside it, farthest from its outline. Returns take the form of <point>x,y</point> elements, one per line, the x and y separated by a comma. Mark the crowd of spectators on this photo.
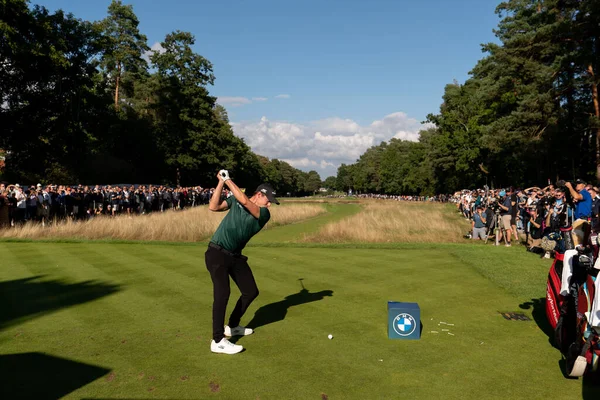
<point>39,203</point>
<point>438,198</point>
<point>44,203</point>
<point>502,215</point>
<point>508,215</point>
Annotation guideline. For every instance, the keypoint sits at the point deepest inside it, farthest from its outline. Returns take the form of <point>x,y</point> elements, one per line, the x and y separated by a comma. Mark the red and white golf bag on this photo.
<point>554,300</point>
<point>573,309</point>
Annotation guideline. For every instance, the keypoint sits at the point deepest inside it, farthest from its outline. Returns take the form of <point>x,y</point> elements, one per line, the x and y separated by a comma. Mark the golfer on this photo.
<point>224,258</point>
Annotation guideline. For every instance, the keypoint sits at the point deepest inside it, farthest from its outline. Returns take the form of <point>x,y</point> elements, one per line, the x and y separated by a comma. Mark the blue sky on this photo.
<point>316,83</point>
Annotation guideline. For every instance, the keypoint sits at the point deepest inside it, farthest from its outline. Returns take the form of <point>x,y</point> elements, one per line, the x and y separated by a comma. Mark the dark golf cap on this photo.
<point>268,191</point>
<point>578,181</point>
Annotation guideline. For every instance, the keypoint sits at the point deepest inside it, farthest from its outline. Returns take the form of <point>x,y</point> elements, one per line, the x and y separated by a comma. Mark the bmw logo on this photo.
<point>404,324</point>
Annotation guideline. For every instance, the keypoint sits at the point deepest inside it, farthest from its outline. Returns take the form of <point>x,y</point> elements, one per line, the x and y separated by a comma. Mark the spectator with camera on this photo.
<point>556,210</point>
<point>479,223</point>
<point>505,204</point>
<point>583,199</point>
<point>534,229</point>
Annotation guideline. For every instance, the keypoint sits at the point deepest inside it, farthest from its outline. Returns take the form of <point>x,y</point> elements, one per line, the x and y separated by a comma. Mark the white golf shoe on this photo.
<point>238,331</point>
<point>225,347</point>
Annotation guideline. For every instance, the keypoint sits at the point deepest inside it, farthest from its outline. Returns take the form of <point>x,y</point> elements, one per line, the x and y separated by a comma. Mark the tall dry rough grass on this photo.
<point>383,221</point>
<point>191,225</point>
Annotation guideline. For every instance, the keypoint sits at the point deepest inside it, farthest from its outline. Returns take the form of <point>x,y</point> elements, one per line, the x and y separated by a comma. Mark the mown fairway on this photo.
<point>125,321</point>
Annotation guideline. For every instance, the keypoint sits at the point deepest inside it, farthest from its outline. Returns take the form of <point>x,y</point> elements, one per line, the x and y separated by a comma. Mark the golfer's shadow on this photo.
<point>277,311</point>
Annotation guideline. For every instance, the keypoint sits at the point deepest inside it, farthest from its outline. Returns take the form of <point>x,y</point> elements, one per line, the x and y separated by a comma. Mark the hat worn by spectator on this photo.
<point>579,181</point>
<point>502,193</point>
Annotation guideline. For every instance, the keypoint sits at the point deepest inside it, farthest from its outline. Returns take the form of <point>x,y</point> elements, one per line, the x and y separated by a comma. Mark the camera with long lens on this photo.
<point>561,184</point>
<point>494,204</point>
<point>547,200</point>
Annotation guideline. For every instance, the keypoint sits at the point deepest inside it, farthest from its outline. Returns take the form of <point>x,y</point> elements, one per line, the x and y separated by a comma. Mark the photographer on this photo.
<point>583,208</point>
<point>556,207</point>
<point>535,228</point>
<point>479,222</point>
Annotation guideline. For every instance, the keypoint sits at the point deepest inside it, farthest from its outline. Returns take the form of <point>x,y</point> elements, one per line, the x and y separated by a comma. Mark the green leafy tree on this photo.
<point>313,182</point>
<point>329,183</point>
<point>301,179</point>
<point>455,145</point>
<point>344,179</point>
<point>54,108</point>
<point>123,48</point>
<point>242,162</point>
<point>365,175</point>
<point>188,132</point>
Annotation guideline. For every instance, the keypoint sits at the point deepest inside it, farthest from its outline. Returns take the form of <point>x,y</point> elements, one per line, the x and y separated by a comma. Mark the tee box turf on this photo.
<point>404,320</point>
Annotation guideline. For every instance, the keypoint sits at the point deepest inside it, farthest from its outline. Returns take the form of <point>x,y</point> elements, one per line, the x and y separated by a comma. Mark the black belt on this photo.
<point>221,249</point>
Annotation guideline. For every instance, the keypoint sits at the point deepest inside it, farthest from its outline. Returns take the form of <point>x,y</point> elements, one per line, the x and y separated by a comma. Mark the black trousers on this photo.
<point>221,266</point>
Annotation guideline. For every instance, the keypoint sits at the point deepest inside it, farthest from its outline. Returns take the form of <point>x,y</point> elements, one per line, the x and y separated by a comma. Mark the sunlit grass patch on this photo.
<point>391,221</point>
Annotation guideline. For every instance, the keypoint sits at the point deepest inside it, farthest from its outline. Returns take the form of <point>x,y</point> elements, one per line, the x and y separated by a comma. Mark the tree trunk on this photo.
<point>597,112</point>
<point>117,88</point>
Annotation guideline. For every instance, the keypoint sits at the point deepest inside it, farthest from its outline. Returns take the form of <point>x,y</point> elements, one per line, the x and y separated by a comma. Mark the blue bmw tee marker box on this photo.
<point>404,320</point>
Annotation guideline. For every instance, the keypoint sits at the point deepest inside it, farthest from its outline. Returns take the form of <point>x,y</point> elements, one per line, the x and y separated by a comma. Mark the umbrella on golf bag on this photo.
<point>571,304</point>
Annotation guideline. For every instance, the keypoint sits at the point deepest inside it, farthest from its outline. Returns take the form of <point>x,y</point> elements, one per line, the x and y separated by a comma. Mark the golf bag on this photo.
<point>571,305</point>
<point>583,354</point>
<point>554,300</point>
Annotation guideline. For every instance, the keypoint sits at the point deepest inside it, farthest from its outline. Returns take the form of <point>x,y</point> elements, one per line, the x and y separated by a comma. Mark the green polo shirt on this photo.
<point>238,226</point>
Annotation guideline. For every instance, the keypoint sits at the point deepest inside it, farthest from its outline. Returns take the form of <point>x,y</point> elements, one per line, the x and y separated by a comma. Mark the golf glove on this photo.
<point>224,174</point>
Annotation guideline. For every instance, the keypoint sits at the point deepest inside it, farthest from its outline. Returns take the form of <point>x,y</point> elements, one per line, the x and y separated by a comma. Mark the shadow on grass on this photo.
<point>277,311</point>
<point>539,316</point>
<point>590,389</point>
<point>41,376</point>
<point>24,299</point>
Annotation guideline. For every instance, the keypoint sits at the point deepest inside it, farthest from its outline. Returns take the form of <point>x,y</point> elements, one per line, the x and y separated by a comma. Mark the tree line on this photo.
<point>528,113</point>
<point>88,102</point>
<point>85,101</point>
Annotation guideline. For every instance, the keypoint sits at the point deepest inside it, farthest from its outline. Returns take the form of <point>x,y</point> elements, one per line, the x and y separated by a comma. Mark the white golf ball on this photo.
<point>330,336</point>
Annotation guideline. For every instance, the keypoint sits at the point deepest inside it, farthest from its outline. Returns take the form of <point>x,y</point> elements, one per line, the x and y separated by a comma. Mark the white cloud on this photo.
<point>233,101</point>
<point>337,125</point>
<point>236,101</point>
<point>324,164</point>
<point>156,47</point>
<point>283,96</point>
<point>397,125</point>
<point>324,144</point>
<point>301,162</point>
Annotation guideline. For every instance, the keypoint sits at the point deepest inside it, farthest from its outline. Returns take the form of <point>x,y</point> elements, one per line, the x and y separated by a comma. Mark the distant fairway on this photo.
<point>125,321</point>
